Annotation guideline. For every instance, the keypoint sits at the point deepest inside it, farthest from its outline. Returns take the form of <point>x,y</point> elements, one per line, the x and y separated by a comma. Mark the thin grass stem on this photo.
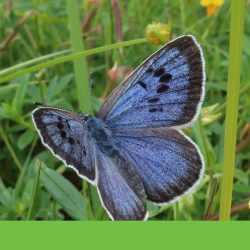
<point>32,61</point>
<point>72,56</point>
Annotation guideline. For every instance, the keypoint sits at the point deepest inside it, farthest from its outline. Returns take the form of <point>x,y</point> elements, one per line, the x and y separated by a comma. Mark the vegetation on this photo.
<point>45,59</point>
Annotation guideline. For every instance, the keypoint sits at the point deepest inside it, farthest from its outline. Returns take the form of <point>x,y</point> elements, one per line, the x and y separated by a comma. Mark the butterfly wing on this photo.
<point>118,198</point>
<point>168,162</point>
<point>64,133</point>
<point>165,91</point>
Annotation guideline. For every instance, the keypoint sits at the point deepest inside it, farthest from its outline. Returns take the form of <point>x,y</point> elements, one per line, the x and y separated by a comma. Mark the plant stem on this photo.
<point>235,50</point>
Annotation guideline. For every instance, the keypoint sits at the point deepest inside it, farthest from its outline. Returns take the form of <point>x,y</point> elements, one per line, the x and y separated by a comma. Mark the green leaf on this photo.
<point>56,86</point>
<point>18,100</point>
<point>64,192</point>
<point>25,139</point>
<point>6,197</point>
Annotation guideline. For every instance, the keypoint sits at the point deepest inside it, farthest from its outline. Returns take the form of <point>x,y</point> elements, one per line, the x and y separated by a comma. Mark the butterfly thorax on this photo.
<point>101,134</point>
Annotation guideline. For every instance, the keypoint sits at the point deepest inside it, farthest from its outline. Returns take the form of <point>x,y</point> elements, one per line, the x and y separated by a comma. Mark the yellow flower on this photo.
<point>211,5</point>
<point>158,33</point>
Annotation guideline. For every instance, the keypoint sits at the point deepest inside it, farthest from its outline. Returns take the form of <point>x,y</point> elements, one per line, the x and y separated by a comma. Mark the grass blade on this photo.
<point>32,61</point>
<point>235,51</point>
<point>80,64</point>
<point>69,57</point>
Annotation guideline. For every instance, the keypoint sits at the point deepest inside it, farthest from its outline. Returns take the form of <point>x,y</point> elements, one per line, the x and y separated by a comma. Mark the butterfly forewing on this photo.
<point>64,133</point>
<point>165,91</point>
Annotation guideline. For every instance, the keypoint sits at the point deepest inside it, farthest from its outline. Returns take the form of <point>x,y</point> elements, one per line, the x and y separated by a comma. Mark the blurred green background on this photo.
<point>34,185</point>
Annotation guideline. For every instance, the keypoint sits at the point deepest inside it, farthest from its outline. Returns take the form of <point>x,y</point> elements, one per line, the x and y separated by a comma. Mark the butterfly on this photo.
<point>134,149</point>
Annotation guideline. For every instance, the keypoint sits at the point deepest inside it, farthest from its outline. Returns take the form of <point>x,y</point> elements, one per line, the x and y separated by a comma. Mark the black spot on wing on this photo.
<point>162,89</point>
<point>63,134</point>
<point>153,100</point>
<point>159,72</point>
<point>142,84</point>
<point>153,110</point>
<point>149,70</point>
<point>71,141</point>
<point>165,78</point>
<point>60,125</point>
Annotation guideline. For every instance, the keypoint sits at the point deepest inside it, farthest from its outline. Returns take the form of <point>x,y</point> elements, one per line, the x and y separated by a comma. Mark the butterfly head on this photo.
<point>84,117</point>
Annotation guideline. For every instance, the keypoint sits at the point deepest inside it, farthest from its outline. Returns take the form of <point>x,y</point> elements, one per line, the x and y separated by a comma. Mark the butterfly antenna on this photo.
<point>90,108</point>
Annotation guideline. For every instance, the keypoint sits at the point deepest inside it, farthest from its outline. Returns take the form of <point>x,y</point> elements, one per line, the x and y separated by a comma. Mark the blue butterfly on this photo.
<point>134,150</point>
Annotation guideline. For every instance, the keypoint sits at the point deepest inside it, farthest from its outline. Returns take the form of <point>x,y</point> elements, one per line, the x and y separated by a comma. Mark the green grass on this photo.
<point>47,61</point>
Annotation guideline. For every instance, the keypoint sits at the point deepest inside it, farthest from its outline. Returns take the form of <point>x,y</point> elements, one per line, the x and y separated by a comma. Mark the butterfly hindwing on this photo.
<point>165,91</point>
<point>168,162</point>
<point>118,198</point>
<point>64,133</point>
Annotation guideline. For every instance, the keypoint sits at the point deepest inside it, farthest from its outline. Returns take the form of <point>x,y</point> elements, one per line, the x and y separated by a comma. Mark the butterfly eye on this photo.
<point>85,117</point>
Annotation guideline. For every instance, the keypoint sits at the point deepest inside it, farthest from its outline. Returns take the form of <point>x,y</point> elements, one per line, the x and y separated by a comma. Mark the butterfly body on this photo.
<point>99,132</point>
<point>134,149</point>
